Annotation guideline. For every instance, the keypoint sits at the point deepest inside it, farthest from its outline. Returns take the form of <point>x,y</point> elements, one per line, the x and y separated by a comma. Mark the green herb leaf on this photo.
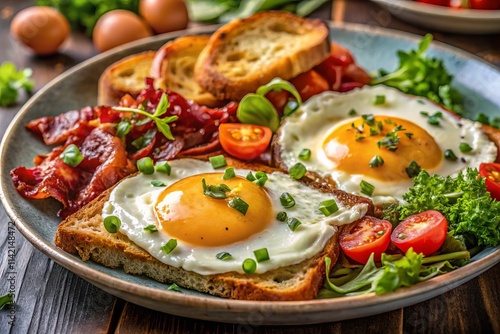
<point>465,148</point>
<point>157,183</point>
<point>112,224</point>
<point>256,109</point>
<point>174,287</point>
<point>7,299</point>
<point>71,155</point>
<point>376,161</point>
<point>216,192</point>
<point>260,178</point>
<point>11,81</point>
<point>450,155</point>
<point>123,128</point>
<point>278,84</point>
<point>413,169</point>
<point>239,205</point>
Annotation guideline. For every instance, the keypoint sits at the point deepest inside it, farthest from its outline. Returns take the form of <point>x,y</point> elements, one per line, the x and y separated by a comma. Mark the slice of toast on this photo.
<point>126,76</point>
<point>174,66</point>
<point>83,233</point>
<point>245,54</point>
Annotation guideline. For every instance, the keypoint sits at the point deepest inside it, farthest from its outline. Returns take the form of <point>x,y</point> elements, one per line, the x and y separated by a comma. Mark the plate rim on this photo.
<point>229,307</point>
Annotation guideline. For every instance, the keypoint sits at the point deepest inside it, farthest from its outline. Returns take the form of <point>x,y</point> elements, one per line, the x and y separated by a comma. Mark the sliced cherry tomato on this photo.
<point>244,141</point>
<point>424,231</point>
<point>491,171</point>
<point>366,236</point>
<point>341,55</point>
<point>484,4</point>
<point>309,83</point>
<point>445,3</point>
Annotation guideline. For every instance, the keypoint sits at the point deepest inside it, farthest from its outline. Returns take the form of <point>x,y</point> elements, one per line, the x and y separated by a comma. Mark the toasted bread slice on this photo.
<point>83,233</point>
<point>126,76</point>
<point>174,66</point>
<point>245,54</point>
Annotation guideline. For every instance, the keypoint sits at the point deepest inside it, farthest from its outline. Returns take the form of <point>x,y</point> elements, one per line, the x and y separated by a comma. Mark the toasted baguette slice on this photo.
<point>126,76</point>
<point>245,54</point>
<point>174,66</point>
<point>83,233</point>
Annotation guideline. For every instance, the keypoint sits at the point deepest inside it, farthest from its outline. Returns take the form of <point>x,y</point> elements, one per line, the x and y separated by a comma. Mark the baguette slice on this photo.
<point>174,66</point>
<point>126,76</point>
<point>245,54</point>
<point>83,233</point>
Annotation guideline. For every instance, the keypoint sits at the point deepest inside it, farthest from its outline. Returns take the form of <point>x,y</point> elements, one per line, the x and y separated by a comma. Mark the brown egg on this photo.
<point>42,29</point>
<point>164,15</point>
<point>118,27</point>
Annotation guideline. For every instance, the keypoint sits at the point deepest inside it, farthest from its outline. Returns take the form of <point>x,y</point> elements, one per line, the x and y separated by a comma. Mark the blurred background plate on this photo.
<point>463,21</point>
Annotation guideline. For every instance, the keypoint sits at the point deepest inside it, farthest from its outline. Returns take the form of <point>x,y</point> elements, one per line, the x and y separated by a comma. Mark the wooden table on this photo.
<point>50,299</point>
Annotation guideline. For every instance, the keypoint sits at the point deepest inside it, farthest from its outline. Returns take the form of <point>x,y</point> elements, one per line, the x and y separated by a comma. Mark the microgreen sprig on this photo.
<point>161,109</point>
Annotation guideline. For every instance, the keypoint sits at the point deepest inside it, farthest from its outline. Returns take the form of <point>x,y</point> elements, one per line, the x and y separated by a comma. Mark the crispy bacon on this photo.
<point>108,158</point>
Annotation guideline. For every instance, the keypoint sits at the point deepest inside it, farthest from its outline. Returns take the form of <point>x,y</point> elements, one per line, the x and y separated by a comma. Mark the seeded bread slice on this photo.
<point>245,54</point>
<point>83,233</point>
<point>126,76</point>
<point>174,64</point>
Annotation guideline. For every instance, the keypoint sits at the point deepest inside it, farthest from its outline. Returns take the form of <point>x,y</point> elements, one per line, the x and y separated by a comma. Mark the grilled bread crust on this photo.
<point>248,53</point>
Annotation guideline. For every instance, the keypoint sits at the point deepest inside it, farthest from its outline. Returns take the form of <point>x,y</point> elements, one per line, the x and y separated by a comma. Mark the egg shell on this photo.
<point>164,15</point>
<point>118,27</point>
<point>43,29</point>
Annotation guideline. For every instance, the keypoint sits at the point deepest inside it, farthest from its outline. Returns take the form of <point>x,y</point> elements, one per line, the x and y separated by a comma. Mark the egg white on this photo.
<point>133,200</point>
<point>316,119</point>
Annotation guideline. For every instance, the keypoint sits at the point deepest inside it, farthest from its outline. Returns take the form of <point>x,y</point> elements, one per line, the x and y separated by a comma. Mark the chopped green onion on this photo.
<point>328,207</point>
<point>450,155</point>
<point>229,173</point>
<point>218,161</point>
<point>413,169</point>
<point>169,246</point>
<point>352,112</point>
<point>223,256</point>
<point>174,287</point>
<point>297,171</point>
<point>249,266</point>
<point>465,148</point>
<point>71,155</point>
<point>369,119</point>
<point>287,200</point>
<point>151,228</point>
<point>366,188</point>
<point>112,224</point>
<point>144,140</point>
<point>239,205</point>
<point>409,135</point>
<point>260,178</point>
<point>123,128</point>
<point>261,254</point>
<point>434,119</point>
<point>163,167</point>
<point>424,113</point>
<point>282,216</point>
<point>293,223</point>
<point>482,118</point>
<point>376,161</point>
<point>157,183</point>
<point>216,192</point>
<point>145,165</point>
<point>305,154</point>
<point>379,99</point>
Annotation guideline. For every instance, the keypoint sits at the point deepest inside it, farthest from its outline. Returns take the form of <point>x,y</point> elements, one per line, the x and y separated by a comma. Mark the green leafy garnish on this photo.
<point>305,154</point>
<point>282,216</point>
<point>229,173</point>
<point>298,171</point>
<point>261,254</point>
<point>169,246</point>
<point>216,192</point>
<point>376,161</point>
<point>366,188</point>
<point>161,109</point>
<point>123,128</point>
<point>287,200</point>
<point>218,161</point>
<point>71,155</point>
<point>174,287</point>
<point>223,256</point>
<point>163,167</point>
<point>151,228</point>
<point>11,81</point>
<point>7,299</point>
<point>249,266</point>
<point>450,155</point>
<point>422,76</point>
<point>463,200</point>
<point>157,183</point>
<point>328,207</point>
<point>256,108</point>
<point>465,148</point>
<point>413,169</point>
<point>293,223</point>
<point>239,205</point>
<point>260,178</point>
<point>145,165</point>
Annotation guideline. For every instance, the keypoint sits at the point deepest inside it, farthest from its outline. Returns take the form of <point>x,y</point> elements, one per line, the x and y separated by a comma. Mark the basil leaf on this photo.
<point>256,109</point>
<point>279,84</point>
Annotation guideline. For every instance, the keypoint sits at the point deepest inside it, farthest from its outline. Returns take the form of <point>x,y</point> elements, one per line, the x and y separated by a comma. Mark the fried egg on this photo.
<point>176,205</point>
<point>378,134</point>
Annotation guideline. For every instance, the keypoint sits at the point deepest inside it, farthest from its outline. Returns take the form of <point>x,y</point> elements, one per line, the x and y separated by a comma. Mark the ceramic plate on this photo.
<point>464,21</point>
<point>36,219</point>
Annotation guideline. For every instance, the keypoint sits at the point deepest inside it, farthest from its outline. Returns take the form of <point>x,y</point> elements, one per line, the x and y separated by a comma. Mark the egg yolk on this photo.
<point>185,213</point>
<point>398,142</point>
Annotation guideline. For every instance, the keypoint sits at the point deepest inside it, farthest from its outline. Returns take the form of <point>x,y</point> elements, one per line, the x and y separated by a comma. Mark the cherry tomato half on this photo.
<point>244,141</point>
<point>491,171</point>
<point>424,231</point>
<point>366,236</point>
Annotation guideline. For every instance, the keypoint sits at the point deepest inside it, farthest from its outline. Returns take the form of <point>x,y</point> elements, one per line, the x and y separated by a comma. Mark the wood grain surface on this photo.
<point>51,299</point>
